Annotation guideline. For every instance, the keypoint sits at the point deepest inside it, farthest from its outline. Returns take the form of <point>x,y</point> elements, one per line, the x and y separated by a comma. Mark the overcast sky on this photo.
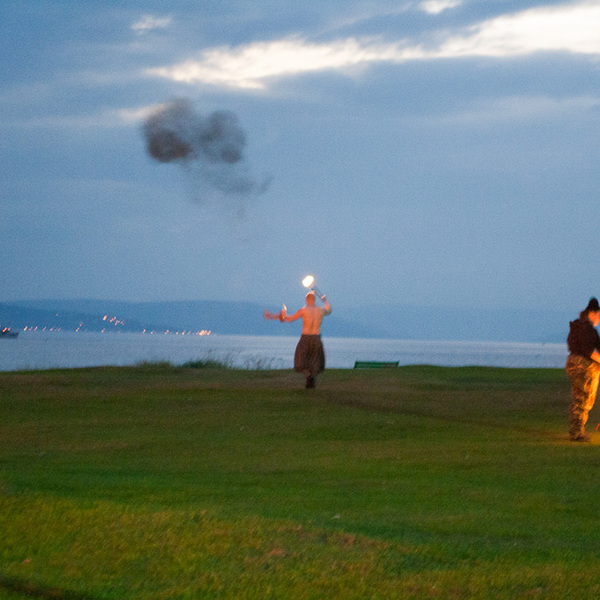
<point>421,152</point>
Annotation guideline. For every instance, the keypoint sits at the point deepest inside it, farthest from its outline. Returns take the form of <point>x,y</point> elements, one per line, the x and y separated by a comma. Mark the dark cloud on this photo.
<point>210,147</point>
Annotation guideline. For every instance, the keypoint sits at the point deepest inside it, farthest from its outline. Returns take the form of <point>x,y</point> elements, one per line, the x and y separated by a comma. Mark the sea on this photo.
<point>34,350</point>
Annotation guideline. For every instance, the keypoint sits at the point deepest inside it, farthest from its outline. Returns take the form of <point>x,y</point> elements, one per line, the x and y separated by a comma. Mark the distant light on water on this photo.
<point>46,350</point>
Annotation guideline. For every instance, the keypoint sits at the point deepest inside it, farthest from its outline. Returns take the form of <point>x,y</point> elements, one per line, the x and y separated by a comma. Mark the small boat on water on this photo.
<point>5,332</point>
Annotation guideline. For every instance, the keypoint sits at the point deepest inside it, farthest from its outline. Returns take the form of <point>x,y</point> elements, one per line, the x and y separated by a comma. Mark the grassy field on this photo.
<point>159,482</point>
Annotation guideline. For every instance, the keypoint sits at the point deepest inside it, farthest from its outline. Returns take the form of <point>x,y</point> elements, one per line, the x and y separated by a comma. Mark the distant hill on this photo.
<point>54,317</point>
<point>245,318</point>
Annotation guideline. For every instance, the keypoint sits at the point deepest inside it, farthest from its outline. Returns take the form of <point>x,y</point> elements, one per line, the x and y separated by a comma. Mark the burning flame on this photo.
<point>308,281</point>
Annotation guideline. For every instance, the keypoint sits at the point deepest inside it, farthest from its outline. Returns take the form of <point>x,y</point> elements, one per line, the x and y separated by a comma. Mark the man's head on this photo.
<point>593,311</point>
<point>310,298</point>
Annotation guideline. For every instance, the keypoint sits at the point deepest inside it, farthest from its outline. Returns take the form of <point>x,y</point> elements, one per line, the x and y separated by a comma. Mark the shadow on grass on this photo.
<point>31,589</point>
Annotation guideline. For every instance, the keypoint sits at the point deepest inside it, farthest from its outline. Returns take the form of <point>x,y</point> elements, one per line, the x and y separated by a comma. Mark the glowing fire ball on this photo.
<point>308,281</point>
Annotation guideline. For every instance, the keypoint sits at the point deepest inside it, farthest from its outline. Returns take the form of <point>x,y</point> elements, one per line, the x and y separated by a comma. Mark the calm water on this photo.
<point>33,350</point>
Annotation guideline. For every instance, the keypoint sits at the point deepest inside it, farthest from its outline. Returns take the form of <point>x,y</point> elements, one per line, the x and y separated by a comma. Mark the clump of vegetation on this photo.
<point>149,364</point>
<point>228,361</point>
<point>259,363</point>
<point>211,361</point>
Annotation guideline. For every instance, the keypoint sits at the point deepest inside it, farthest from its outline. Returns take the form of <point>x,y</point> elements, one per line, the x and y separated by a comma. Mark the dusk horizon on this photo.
<point>404,322</point>
<point>432,153</point>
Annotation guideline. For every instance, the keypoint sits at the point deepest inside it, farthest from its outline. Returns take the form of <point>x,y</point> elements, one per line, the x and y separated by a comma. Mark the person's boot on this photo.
<point>581,438</point>
<point>576,428</point>
<point>310,382</point>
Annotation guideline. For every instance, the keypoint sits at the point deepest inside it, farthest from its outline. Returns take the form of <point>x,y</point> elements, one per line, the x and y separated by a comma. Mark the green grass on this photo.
<point>158,482</point>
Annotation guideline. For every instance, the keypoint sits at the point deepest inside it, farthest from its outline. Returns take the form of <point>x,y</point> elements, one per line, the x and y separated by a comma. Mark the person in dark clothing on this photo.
<point>583,368</point>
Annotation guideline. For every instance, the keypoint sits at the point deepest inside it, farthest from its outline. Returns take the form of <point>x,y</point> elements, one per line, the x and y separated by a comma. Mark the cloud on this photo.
<point>514,108</point>
<point>149,22</point>
<point>106,118</point>
<point>569,28</point>
<point>573,28</point>
<point>251,66</point>
<point>435,7</point>
<point>211,147</point>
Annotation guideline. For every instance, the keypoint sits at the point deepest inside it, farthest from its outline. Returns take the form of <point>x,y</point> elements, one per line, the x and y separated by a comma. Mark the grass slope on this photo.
<point>418,482</point>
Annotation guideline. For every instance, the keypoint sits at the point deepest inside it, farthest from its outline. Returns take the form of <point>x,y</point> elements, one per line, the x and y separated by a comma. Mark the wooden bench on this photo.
<point>363,364</point>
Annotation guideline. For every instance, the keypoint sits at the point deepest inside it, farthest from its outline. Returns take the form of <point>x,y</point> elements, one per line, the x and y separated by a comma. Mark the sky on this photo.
<point>415,152</point>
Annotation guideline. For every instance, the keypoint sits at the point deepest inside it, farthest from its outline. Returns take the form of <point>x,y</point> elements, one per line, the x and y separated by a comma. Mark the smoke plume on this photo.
<point>211,147</point>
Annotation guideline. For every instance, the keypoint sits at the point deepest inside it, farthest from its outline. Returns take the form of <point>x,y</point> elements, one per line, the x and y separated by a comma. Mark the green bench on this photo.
<point>363,364</point>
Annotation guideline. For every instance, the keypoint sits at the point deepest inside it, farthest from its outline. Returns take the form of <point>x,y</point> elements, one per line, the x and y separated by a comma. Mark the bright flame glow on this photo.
<point>308,281</point>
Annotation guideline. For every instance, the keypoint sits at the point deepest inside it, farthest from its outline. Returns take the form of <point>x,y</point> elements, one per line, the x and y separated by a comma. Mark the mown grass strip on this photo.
<point>418,482</point>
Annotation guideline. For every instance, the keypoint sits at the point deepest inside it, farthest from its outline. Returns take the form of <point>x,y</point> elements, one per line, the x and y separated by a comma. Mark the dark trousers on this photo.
<point>310,355</point>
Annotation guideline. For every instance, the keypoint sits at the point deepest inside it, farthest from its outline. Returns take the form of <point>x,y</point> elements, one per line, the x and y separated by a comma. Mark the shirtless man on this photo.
<point>309,358</point>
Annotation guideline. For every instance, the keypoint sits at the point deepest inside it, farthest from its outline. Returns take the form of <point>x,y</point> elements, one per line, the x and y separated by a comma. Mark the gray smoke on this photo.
<point>210,147</point>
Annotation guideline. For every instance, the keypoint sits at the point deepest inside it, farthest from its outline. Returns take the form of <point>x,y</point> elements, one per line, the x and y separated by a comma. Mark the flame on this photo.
<point>308,281</point>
